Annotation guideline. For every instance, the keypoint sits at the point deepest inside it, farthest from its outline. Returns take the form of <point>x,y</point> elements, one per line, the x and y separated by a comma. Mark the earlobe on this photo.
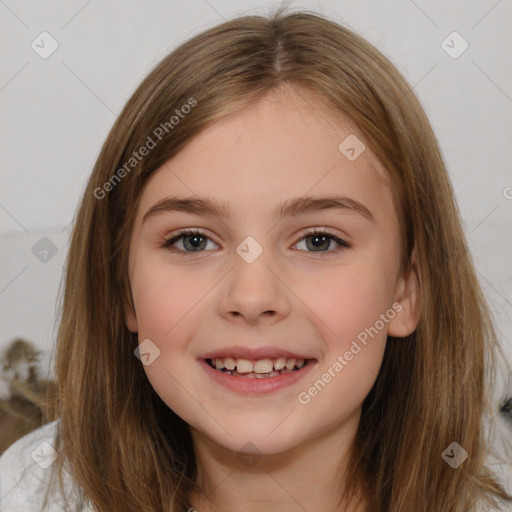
<point>407,294</point>
<point>131,320</point>
<point>130,317</point>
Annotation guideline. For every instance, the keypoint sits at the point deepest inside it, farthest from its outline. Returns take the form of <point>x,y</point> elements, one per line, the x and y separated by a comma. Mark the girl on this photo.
<point>269,301</point>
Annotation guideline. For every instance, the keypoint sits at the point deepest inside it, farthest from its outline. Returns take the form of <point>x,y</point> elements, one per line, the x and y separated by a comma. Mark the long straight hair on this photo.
<point>127,450</point>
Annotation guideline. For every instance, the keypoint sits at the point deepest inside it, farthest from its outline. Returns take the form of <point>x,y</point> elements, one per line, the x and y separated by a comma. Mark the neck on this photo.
<point>309,476</point>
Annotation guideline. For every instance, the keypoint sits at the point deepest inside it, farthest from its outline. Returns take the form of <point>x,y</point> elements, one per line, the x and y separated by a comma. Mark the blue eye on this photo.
<point>196,243</point>
<point>320,237</point>
<point>197,240</point>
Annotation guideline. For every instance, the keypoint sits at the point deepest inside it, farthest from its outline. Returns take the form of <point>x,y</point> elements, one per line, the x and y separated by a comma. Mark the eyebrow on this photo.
<point>289,208</point>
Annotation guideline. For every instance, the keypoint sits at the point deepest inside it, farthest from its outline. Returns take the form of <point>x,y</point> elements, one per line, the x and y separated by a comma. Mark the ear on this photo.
<point>407,294</point>
<point>130,317</point>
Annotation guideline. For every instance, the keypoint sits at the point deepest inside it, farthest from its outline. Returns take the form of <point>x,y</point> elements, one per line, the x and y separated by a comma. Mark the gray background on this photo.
<point>56,112</point>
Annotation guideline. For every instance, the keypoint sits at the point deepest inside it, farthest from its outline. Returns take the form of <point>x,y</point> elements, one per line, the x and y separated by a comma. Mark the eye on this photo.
<point>193,241</point>
<point>321,238</point>
<point>196,240</point>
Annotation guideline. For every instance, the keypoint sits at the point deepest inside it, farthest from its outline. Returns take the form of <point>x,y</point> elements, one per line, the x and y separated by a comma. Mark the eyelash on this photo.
<point>167,244</point>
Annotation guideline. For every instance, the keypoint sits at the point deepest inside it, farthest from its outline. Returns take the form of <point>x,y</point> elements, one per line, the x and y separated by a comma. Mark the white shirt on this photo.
<point>25,470</point>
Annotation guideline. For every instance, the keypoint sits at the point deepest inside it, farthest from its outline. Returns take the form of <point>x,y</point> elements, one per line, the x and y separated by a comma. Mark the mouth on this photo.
<point>257,369</point>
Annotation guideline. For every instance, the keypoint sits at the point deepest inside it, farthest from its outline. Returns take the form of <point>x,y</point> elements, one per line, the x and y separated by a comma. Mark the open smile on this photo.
<point>256,377</point>
<point>260,369</point>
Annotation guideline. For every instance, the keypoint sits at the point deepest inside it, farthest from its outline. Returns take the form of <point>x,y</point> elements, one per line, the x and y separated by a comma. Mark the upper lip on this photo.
<point>252,353</point>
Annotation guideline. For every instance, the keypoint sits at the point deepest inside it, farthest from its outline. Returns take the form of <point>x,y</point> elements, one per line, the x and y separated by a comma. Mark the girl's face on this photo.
<point>257,285</point>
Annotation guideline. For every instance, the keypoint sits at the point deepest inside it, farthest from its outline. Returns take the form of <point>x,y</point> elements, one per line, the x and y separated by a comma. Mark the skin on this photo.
<point>290,297</point>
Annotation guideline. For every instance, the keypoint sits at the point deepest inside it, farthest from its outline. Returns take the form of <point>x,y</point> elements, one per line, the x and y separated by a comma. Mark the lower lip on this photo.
<point>248,386</point>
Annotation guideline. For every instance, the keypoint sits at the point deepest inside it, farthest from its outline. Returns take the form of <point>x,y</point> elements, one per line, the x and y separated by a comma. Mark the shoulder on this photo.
<point>488,508</point>
<point>24,446</point>
<point>25,471</point>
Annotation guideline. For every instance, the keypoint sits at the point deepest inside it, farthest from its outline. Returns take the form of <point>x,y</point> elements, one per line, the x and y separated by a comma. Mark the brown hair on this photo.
<point>126,449</point>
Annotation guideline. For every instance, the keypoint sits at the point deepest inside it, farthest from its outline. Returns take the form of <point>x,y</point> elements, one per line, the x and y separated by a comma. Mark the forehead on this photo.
<point>286,145</point>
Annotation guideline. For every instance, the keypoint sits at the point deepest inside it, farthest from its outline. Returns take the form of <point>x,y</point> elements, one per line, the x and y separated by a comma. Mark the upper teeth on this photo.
<point>260,366</point>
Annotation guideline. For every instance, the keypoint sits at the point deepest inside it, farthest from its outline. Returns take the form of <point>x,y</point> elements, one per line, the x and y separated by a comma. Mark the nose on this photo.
<point>255,292</point>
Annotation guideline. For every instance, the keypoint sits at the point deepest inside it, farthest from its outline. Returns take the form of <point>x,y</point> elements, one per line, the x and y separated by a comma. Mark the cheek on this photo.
<point>349,300</point>
<point>163,297</point>
<point>355,339</point>
<point>166,302</point>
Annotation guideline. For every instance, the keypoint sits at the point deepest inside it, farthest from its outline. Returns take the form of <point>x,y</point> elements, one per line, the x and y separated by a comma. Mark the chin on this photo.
<point>252,439</point>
